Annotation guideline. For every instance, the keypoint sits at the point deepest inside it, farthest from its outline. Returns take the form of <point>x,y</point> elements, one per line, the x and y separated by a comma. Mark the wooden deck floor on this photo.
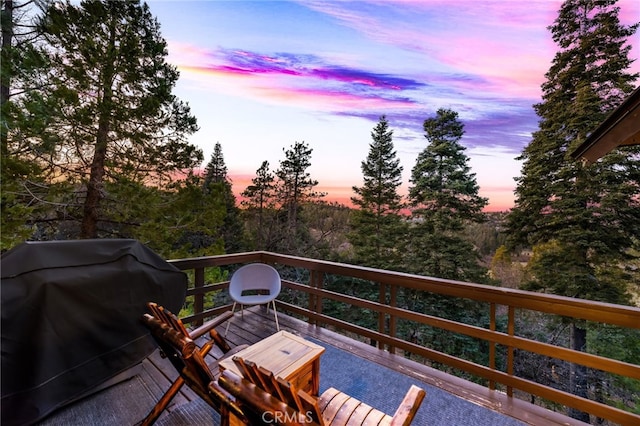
<point>157,373</point>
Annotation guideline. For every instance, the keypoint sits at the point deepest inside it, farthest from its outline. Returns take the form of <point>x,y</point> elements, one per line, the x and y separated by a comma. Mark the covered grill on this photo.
<point>71,318</point>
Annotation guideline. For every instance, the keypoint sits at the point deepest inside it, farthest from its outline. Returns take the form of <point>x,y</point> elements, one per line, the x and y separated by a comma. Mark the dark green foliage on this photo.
<point>259,206</point>
<point>293,188</point>
<point>558,268</point>
<point>275,206</point>
<point>378,230</point>
<point>624,345</point>
<point>589,213</point>
<point>328,224</point>
<point>22,180</point>
<point>217,184</point>
<point>177,222</point>
<point>580,219</point>
<point>352,287</point>
<point>486,236</point>
<point>444,200</point>
<point>444,197</point>
<point>110,113</point>
<point>216,169</point>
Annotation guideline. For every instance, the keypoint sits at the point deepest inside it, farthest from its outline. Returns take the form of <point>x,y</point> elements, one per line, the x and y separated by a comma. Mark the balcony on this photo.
<point>378,357</point>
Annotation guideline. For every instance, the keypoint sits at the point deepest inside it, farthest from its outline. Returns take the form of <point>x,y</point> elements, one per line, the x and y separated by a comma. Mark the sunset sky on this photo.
<point>262,75</point>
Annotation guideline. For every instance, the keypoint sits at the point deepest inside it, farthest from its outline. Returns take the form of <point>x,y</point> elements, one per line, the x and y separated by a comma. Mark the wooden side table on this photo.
<point>287,356</point>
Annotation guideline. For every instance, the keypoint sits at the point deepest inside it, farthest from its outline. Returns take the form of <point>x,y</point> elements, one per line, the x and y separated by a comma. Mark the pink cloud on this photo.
<point>334,101</point>
<point>493,39</point>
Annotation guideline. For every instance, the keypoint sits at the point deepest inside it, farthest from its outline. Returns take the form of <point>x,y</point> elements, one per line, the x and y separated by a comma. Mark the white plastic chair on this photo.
<point>256,279</point>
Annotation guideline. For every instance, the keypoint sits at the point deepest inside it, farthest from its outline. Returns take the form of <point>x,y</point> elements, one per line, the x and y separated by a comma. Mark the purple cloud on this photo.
<point>309,66</point>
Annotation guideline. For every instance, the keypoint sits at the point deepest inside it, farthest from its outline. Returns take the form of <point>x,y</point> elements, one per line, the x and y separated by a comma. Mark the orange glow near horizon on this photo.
<point>500,199</point>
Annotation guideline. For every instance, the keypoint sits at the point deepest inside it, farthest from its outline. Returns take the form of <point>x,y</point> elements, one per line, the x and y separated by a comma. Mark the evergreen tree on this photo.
<point>444,197</point>
<point>294,188</point>
<point>260,206</point>
<point>180,220</point>
<point>111,113</point>
<point>21,58</point>
<point>581,219</point>
<point>216,169</point>
<point>217,183</point>
<point>377,227</point>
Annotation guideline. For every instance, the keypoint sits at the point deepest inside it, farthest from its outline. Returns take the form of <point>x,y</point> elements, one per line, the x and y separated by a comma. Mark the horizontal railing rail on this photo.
<point>390,283</point>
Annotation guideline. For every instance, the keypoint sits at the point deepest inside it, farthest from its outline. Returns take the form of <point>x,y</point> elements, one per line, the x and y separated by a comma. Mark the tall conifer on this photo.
<point>443,197</point>
<point>295,187</point>
<point>581,219</point>
<point>260,206</point>
<point>377,225</point>
<point>217,184</point>
<point>111,112</point>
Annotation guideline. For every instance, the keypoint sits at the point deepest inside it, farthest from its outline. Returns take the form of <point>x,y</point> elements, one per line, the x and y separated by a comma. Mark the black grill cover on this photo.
<point>71,318</point>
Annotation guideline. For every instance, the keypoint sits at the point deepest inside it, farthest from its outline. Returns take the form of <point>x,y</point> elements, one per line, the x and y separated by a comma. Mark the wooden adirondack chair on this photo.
<point>178,345</point>
<point>267,399</point>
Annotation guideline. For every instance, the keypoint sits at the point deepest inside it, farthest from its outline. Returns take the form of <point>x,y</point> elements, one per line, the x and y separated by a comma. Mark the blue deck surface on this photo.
<point>383,388</point>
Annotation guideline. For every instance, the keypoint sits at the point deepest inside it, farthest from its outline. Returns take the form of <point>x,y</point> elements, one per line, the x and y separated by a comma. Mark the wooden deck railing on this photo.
<point>389,283</point>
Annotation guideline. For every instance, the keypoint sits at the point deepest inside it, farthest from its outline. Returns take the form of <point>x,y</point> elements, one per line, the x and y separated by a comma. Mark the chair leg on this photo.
<point>163,402</point>
<point>172,391</point>
<point>229,323</point>
<point>275,314</point>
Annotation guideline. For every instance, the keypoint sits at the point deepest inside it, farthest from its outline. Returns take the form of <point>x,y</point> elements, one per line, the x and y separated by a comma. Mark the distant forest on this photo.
<point>95,145</point>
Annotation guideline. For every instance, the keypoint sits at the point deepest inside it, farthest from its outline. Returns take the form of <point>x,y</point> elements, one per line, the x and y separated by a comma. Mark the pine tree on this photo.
<point>294,188</point>
<point>377,231</point>
<point>216,169</point>
<point>21,59</point>
<point>111,112</point>
<point>444,197</point>
<point>580,219</point>
<point>260,206</point>
<point>217,184</point>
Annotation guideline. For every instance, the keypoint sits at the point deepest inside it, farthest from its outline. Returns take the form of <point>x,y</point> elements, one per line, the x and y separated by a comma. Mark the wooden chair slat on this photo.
<point>255,402</point>
<point>278,392</point>
<point>177,324</point>
<point>360,414</point>
<point>332,408</point>
<point>346,409</point>
<point>264,382</point>
<point>377,418</point>
<point>246,370</point>
<point>326,397</point>
<point>310,407</point>
<point>268,380</point>
<point>290,394</point>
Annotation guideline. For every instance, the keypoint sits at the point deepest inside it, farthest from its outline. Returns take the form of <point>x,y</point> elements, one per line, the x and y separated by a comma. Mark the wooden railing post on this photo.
<point>316,280</point>
<point>511,327</point>
<point>492,345</point>
<point>382,299</point>
<point>198,298</point>
<point>393,302</point>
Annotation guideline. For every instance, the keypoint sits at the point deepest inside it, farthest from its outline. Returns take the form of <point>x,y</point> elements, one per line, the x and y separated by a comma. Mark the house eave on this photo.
<point>621,127</point>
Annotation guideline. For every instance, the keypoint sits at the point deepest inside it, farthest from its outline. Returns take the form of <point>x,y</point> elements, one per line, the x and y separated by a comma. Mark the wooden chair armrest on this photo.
<point>233,351</point>
<point>228,404</point>
<point>205,328</point>
<point>408,407</point>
